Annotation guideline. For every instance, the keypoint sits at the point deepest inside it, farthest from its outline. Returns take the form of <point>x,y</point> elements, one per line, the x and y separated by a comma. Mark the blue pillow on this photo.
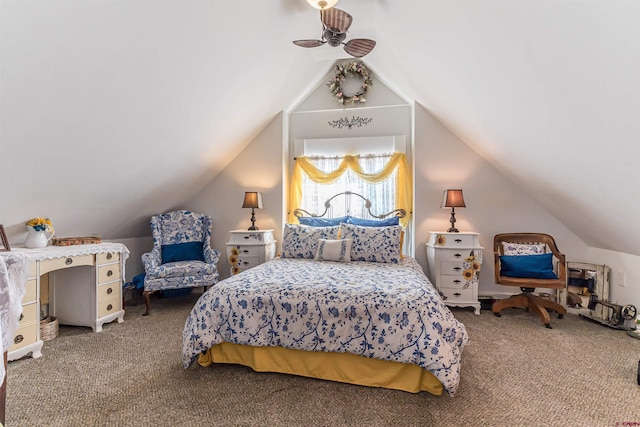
<point>322,222</point>
<point>527,266</point>
<point>190,251</point>
<point>394,220</point>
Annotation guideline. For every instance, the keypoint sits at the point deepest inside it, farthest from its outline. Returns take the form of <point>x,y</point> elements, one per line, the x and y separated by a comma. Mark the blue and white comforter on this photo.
<point>378,310</point>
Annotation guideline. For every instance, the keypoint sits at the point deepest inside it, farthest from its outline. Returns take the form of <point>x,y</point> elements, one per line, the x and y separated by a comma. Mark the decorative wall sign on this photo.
<point>357,122</point>
<point>350,70</point>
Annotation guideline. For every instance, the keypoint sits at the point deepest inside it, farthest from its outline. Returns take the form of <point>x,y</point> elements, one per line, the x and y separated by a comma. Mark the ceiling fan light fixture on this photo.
<point>322,4</point>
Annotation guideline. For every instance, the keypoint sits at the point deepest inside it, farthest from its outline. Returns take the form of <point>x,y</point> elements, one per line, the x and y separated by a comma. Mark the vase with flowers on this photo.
<point>40,231</point>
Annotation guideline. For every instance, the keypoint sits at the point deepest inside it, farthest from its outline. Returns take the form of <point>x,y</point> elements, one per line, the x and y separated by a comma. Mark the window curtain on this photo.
<point>398,162</point>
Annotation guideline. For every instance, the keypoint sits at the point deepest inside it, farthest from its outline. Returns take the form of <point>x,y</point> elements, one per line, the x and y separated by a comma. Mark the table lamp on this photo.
<point>253,200</point>
<point>453,199</point>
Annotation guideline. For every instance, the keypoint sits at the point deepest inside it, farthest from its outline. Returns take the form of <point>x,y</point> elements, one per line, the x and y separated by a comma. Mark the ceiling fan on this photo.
<point>335,24</point>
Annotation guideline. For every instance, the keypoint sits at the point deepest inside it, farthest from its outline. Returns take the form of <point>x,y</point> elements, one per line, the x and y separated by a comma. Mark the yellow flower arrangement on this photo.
<point>41,224</point>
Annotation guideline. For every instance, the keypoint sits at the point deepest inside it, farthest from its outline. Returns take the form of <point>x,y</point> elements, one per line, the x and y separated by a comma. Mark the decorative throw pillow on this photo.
<point>334,250</point>
<point>322,222</point>
<point>189,251</point>
<point>301,241</point>
<point>528,266</point>
<point>373,244</point>
<point>374,222</point>
<point>522,248</point>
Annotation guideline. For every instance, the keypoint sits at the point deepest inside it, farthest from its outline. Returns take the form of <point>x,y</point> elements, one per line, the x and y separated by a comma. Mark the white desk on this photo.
<point>90,296</point>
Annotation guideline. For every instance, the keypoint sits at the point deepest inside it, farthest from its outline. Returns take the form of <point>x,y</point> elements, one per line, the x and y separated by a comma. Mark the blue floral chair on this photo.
<point>182,256</point>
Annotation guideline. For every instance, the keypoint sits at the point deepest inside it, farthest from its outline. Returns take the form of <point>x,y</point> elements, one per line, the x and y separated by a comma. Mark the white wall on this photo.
<point>258,168</point>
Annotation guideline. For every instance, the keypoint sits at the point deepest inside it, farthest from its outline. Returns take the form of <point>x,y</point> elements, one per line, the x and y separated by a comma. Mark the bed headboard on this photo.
<point>346,197</point>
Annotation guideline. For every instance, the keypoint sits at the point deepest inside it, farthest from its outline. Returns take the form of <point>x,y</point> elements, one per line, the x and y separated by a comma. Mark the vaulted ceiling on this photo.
<point>166,92</point>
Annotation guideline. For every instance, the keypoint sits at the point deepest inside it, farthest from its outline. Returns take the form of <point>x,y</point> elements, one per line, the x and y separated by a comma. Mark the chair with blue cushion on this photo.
<point>529,261</point>
<point>182,256</point>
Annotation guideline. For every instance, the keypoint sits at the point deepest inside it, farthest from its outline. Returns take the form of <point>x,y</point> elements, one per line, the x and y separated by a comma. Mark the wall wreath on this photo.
<point>350,70</point>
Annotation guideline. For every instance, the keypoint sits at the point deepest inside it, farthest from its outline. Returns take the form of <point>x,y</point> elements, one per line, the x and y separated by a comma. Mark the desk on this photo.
<point>89,296</point>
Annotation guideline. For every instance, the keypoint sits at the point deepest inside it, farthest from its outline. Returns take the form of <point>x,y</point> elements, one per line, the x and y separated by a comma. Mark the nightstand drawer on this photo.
<point>451,281</point>
<point>109,291</point>
<point>248,262</point>
<point>25,336</point>
<point>453,254</point>
<point>455,295</point>
<point>250,250</point>
<point>108,273</point>
<point>451,267</point>
<point>108,257</point>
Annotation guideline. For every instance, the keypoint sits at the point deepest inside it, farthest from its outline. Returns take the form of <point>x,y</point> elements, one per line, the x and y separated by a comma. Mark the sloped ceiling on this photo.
<point>164,93</point>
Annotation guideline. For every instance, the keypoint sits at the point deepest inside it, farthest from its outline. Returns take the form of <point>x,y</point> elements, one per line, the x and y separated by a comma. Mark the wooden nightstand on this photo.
<point>454,261</point>
<point>246,249</point>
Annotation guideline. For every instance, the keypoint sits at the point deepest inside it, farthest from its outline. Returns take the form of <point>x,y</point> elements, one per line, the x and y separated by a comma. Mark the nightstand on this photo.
<point>454,261</point>
<point>248,248</point>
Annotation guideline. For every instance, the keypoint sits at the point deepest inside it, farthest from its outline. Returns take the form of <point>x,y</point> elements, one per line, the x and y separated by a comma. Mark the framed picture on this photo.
<point>4,242</point>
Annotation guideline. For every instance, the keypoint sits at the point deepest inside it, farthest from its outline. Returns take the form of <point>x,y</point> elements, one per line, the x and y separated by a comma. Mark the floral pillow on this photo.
<point>523,248</point>
<point>301,241</point>
<point>373,244</point>
<point>334,250</point>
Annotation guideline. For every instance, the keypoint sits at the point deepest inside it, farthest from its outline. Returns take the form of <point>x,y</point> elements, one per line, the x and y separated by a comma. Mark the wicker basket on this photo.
<point>48,328</point>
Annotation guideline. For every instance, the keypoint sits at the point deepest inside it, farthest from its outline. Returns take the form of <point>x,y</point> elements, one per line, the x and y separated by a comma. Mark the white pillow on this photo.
<point>301,241</point>
<point>522,248</point>
<point>334,250</point>
<point>373,244</point>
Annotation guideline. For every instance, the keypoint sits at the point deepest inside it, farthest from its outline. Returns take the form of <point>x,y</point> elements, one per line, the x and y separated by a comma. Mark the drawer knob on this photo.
<point>457,255</point>
<point>457,281</point>
<point>457,294</point>
<point>246,237</point>
<point>21,317</point>
<point>457,268</point>
<point>458,240</point>
<point>245,262</point>
<point>18,339</point>
<point>109,291</point>
<point>246,251</point>
<point>109,273</point>
<point>109,255</point>
<point>109,307</point>
<point>68,261</point>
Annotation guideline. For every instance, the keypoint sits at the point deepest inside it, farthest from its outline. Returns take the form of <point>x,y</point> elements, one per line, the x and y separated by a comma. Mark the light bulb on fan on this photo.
<point>322,4</point>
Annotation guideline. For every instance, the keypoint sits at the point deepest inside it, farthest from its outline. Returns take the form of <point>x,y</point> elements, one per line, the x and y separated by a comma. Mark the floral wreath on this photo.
<point>344,71</point>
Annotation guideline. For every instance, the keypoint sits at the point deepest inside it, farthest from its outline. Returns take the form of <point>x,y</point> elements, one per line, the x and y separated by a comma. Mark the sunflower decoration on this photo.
<point>473,264</point>
<point>41,224</point>
<point>233,260</point>
<point>441,240</point>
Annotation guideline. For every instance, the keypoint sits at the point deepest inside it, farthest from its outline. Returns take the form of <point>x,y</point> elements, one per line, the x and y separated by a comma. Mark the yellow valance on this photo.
<point>397,161</point>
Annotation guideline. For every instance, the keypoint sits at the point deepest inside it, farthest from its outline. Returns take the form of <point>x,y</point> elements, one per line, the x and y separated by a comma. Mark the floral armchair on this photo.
<point>182,256</point>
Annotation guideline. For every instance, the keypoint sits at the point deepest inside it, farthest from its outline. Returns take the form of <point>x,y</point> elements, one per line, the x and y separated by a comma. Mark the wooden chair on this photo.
<point>527,299</point>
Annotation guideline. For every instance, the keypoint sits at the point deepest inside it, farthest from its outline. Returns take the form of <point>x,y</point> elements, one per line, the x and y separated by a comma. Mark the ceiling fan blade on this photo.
<point>337,20</point>
<point>308,43</point>
<point>359,47</point>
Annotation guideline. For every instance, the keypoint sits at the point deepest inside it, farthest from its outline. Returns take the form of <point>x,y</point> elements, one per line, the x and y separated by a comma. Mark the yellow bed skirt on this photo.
<point>341,367</point>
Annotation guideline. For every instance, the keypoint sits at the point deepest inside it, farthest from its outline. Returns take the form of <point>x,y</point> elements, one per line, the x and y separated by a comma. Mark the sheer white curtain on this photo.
<point>381,195</point>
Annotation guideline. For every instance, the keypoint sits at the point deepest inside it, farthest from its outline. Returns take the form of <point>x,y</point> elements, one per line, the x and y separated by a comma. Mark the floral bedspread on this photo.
<point>377,310</point>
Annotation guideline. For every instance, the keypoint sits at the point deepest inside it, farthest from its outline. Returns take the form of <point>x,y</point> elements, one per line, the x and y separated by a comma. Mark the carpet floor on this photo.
<point>515,372</point>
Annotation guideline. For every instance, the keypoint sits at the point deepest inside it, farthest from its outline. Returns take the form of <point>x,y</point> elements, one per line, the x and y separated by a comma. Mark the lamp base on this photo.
<point>452,220</point>
<point>453,230</point>
<point>253,221</point>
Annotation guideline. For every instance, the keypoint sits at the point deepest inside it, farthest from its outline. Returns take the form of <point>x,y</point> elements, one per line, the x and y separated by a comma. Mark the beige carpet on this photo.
<point>515,373</point>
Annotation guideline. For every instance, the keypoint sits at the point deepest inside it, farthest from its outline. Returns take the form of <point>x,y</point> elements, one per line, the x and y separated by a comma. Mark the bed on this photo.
<point>351,309</point>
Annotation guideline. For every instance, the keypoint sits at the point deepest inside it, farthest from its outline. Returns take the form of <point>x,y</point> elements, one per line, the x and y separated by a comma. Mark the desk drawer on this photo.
<point>108,273</point>
<point>48,265</point>
<point>29,314</point>
<point>108,306</point>
<point>31,292</point>
<point>108,257</point>
<point>25,336</point>
<point>106,292</point>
